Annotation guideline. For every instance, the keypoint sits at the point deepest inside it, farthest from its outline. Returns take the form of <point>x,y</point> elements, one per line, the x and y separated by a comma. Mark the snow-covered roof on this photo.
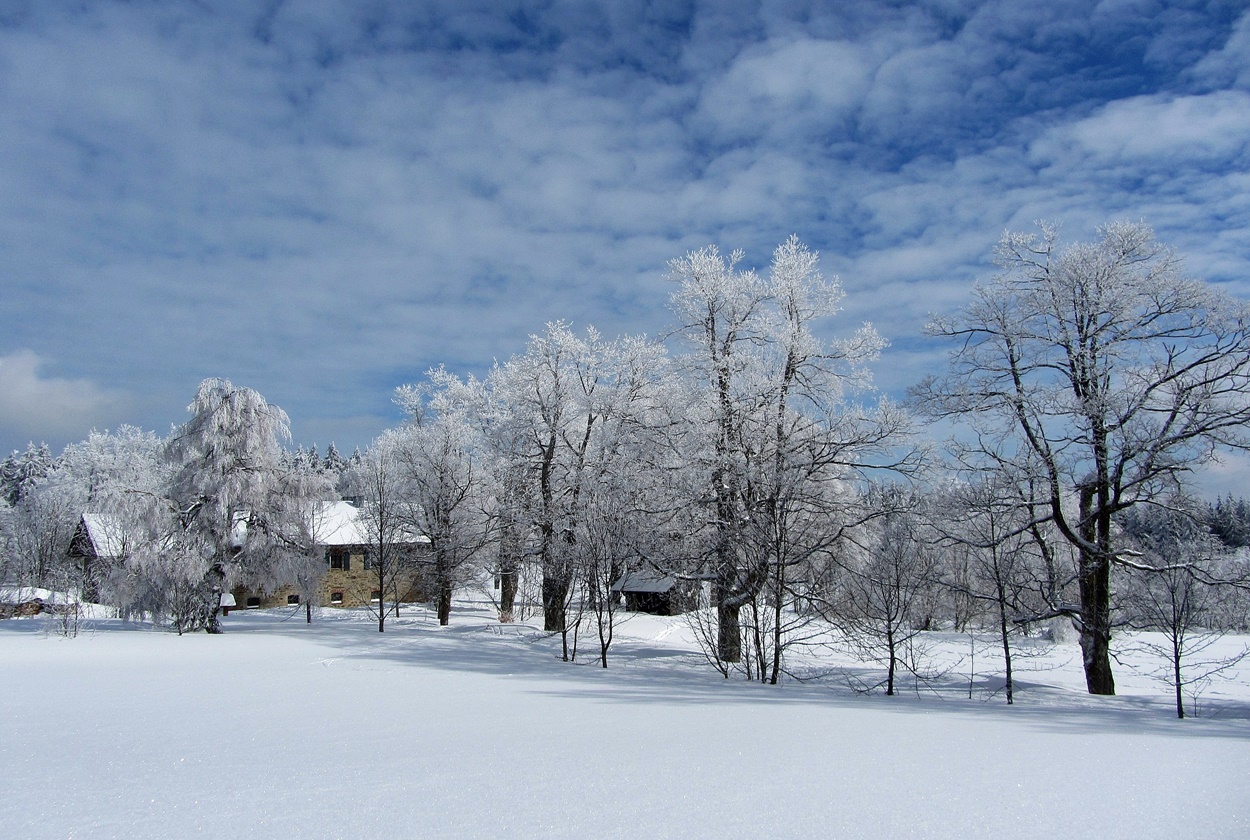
<point>25,594</point>
<point>337,523</point>
<point>105,533</point>
<point>645,581</point>
<point>342,523</point>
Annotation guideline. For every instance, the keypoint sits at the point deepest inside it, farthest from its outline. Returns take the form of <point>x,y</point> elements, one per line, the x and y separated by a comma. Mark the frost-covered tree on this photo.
<point>226,462</point>
<point>51,495</point>
<point>990,557</point>
<point>21,469</point>
<point>773,426</point>
<point>557,414</point>
<point>1179,580</point>
<point>537,433</point>
<point>333,462</point>
<point>621,502</point>
<point>110,468</point>
<point>887,590</point>
<point>40,528</point>
<point>380,480</point>
<point>446,486</point>
<point>1110,370</point>
<point>535,396</point>
<point>1229,521</point>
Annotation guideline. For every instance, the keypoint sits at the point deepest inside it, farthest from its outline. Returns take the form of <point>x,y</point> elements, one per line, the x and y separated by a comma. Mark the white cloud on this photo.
<point>52,409</point>
<point>1229,65</point>
<point>1174,130</point>
<point>787,88</point>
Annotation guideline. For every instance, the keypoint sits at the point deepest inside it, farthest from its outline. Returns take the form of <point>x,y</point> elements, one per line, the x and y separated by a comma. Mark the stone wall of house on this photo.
<point>355,585</point>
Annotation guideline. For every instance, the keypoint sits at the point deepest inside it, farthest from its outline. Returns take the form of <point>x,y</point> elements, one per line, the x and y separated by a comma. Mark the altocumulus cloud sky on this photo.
<point>322,199</point>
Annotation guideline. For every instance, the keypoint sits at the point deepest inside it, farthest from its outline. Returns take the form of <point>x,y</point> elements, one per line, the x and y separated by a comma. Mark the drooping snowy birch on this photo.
<point>226,460</point>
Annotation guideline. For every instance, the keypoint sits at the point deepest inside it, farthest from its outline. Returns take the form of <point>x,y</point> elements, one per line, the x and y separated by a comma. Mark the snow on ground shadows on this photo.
<point>278,729</point>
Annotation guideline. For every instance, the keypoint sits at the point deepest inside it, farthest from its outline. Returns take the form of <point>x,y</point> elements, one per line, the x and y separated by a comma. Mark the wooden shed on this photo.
<point>649,591</point>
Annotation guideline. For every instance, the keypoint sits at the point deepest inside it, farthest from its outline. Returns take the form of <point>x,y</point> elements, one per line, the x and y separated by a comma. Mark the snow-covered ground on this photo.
<point>284,730</point>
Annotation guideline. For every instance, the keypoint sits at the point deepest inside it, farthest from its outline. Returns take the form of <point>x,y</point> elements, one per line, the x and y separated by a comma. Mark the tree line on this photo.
<point>745,457</point>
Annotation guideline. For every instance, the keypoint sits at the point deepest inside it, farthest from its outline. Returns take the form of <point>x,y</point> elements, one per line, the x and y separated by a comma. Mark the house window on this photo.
<point>336,597</point>
<point>292,599</point>
<point>253,602</point>
<point>339,558</point>
<point>375,595</point>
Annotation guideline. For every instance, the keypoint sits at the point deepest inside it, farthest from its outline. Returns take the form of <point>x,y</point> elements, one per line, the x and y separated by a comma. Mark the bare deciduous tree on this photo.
<point>771,424</point>
<point>1112,371</point>
<point>887,592</point>
<point>1176,591</point>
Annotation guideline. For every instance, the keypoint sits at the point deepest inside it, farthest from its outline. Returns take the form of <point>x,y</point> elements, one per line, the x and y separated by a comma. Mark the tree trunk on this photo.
<point>889,680</point>
<point>1095,586</point>
<point>444,601</point>
<point>216,584</point>
<point>381,604</point>
<point>1006,640</point>
<point>728,633</point>
<point>555,594</point>
<point>508,583</point>
<point>779,593</point>
<point>1096,625</point>
<point>605,636</point>
<point>1003,627</point>
<point>1176,677</point>
<point>728,624</point>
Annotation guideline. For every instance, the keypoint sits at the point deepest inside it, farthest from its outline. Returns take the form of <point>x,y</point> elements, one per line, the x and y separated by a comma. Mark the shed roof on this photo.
<point>105,533</point>
<point>645,581</point>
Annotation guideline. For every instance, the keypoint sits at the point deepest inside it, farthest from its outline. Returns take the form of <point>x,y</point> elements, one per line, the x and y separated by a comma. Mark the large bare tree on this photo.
<point>1108,368</point>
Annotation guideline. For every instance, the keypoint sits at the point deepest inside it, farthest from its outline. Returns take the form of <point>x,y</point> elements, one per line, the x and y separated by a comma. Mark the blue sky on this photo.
<point>320,200</point>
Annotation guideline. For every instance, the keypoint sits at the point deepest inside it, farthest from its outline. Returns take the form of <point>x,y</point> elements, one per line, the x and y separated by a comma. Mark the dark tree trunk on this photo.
<point>1003,626</point>
<point>215,583</point>
<point>1096,626</point>
<point>1095,586</point>
<point>555,583</point>
<point>381,603</point>
<point>555,594</point>
<point>1176,677</point>
<point>728,633</point>
<point>777,639</point>
<point>508,583</point>
<point>1006,640</point>
<point>444,601</point>
<point>889,683</point>
<point>728,607</point>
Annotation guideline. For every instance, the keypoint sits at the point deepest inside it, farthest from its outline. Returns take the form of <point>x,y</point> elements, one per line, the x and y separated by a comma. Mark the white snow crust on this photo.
<point>278,729</point>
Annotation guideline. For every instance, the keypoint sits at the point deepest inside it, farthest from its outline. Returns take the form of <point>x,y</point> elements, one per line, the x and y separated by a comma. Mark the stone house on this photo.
<point>350,578</point>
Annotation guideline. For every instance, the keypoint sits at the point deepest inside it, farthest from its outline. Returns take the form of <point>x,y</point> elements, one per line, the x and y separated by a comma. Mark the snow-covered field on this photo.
<point>279,729</point>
